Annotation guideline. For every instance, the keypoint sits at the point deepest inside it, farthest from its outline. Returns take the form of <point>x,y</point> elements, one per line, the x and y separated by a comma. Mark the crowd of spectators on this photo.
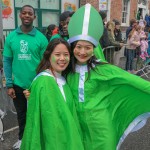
<point>136,44</point>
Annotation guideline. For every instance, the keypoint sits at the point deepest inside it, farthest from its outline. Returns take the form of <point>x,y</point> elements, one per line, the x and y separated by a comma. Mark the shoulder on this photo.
<point>44,80</point>
<point>41,38</point>
<point>38,33</point>
<point>105,31</point>
<point>135,33</point>
<point>109,33</point>
<point>11,34</point>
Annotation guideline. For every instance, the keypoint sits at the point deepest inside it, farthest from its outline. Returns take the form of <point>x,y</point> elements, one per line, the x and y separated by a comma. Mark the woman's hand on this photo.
<point>121,44</point>
<point>26,93</point>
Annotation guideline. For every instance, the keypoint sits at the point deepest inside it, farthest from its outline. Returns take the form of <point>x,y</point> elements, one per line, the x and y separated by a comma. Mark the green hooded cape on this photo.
<point>98,52</point>
<point>110,103</point>
<point>51,117</point>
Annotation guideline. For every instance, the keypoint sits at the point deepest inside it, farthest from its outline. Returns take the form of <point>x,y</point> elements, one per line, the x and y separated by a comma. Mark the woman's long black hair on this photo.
<point>45,62</point>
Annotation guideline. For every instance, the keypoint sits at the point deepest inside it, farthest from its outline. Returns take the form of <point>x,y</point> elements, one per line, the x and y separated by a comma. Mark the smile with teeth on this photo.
<point>82,57</point>
<point>27,20</point>
<point>61,64</point>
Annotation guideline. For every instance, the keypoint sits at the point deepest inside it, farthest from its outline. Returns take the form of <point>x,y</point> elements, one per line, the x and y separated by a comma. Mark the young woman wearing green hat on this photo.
<point>109,101</point>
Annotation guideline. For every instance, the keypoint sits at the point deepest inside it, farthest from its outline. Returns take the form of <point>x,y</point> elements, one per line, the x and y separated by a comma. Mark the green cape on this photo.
<point>51,121</point>
<point>98,52</point>
<point>109,103</point>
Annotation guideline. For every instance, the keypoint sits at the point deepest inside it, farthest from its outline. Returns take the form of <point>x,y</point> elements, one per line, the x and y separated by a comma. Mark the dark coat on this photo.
<point>118,35</point>
<point>104,40</point>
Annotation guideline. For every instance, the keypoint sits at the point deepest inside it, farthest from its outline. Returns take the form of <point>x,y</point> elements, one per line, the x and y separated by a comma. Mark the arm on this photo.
<point>112,40</point>
<point>104,39</point>
<point>132,41</point>
<point>7,63</point>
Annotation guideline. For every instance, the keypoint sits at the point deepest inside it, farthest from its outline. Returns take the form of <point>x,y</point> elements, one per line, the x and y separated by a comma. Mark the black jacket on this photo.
<point>118,35</point>
<point>104,40</point>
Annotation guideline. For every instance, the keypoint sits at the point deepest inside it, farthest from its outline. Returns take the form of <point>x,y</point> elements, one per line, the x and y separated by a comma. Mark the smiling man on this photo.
<point>23,51</point>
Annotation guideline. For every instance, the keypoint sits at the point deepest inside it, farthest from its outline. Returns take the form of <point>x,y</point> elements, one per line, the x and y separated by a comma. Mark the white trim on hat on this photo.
<point>86,19</point>
<point>84,38</point>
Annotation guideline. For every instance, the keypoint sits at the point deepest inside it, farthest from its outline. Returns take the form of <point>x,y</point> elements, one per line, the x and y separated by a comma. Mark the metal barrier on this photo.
<point>115,55</point>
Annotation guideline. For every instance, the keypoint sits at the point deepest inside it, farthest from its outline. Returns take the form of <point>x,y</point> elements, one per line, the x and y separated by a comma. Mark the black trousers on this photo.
<point>20,103</point>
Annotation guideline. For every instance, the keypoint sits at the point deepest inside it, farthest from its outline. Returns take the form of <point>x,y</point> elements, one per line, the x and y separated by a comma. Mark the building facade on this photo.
<point>48,11</point>
<point>122,10</point>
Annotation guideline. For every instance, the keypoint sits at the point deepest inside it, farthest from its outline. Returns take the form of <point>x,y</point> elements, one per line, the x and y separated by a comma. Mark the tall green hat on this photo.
<point>86,24</point>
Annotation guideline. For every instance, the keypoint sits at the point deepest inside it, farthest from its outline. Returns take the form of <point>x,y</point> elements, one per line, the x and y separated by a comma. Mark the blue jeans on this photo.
<point>130,54</point>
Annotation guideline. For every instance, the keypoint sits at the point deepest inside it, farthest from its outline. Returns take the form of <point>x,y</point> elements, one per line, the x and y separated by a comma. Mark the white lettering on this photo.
<point>24,56</point>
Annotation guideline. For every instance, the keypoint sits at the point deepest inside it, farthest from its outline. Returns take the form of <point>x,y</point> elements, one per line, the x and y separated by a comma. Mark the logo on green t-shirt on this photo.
<point>24,50</point>
<point>23,46</point>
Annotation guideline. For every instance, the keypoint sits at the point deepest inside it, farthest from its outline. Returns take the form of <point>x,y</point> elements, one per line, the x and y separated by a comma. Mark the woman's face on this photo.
<point>117,27</point>
<point>83,51</point>
<point>60,58</point>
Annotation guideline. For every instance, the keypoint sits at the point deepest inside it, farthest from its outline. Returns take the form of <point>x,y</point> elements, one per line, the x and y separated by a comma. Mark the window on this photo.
<point>125,12</point>
<point>104,5</point>
<point>47,12</point>
<point>144,2</point>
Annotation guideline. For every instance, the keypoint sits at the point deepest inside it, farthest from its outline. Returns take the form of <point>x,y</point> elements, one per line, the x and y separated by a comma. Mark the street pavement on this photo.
<point>139,140</point>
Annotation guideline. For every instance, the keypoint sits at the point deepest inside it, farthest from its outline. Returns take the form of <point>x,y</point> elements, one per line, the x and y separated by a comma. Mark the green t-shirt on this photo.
<point>26,51</point>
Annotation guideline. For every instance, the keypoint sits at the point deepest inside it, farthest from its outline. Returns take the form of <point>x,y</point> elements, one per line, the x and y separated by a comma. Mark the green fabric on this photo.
<point>113,98</point>
<point>98,24</point>
<point>57,36</point>
<point>51,122</point>
<point>75,25</point>
<point>98,52</point>
<point>27,51</point>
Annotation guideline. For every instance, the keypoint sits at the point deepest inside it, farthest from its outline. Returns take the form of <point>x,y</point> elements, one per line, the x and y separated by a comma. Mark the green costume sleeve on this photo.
<point>50,125</point>
<point>110,104</point>
<point>129,101</point>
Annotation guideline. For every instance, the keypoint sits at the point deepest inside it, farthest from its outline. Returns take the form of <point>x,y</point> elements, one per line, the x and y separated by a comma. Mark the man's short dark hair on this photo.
<point>103,14</point>
<point>27,6</point>
<point>64,16</point>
